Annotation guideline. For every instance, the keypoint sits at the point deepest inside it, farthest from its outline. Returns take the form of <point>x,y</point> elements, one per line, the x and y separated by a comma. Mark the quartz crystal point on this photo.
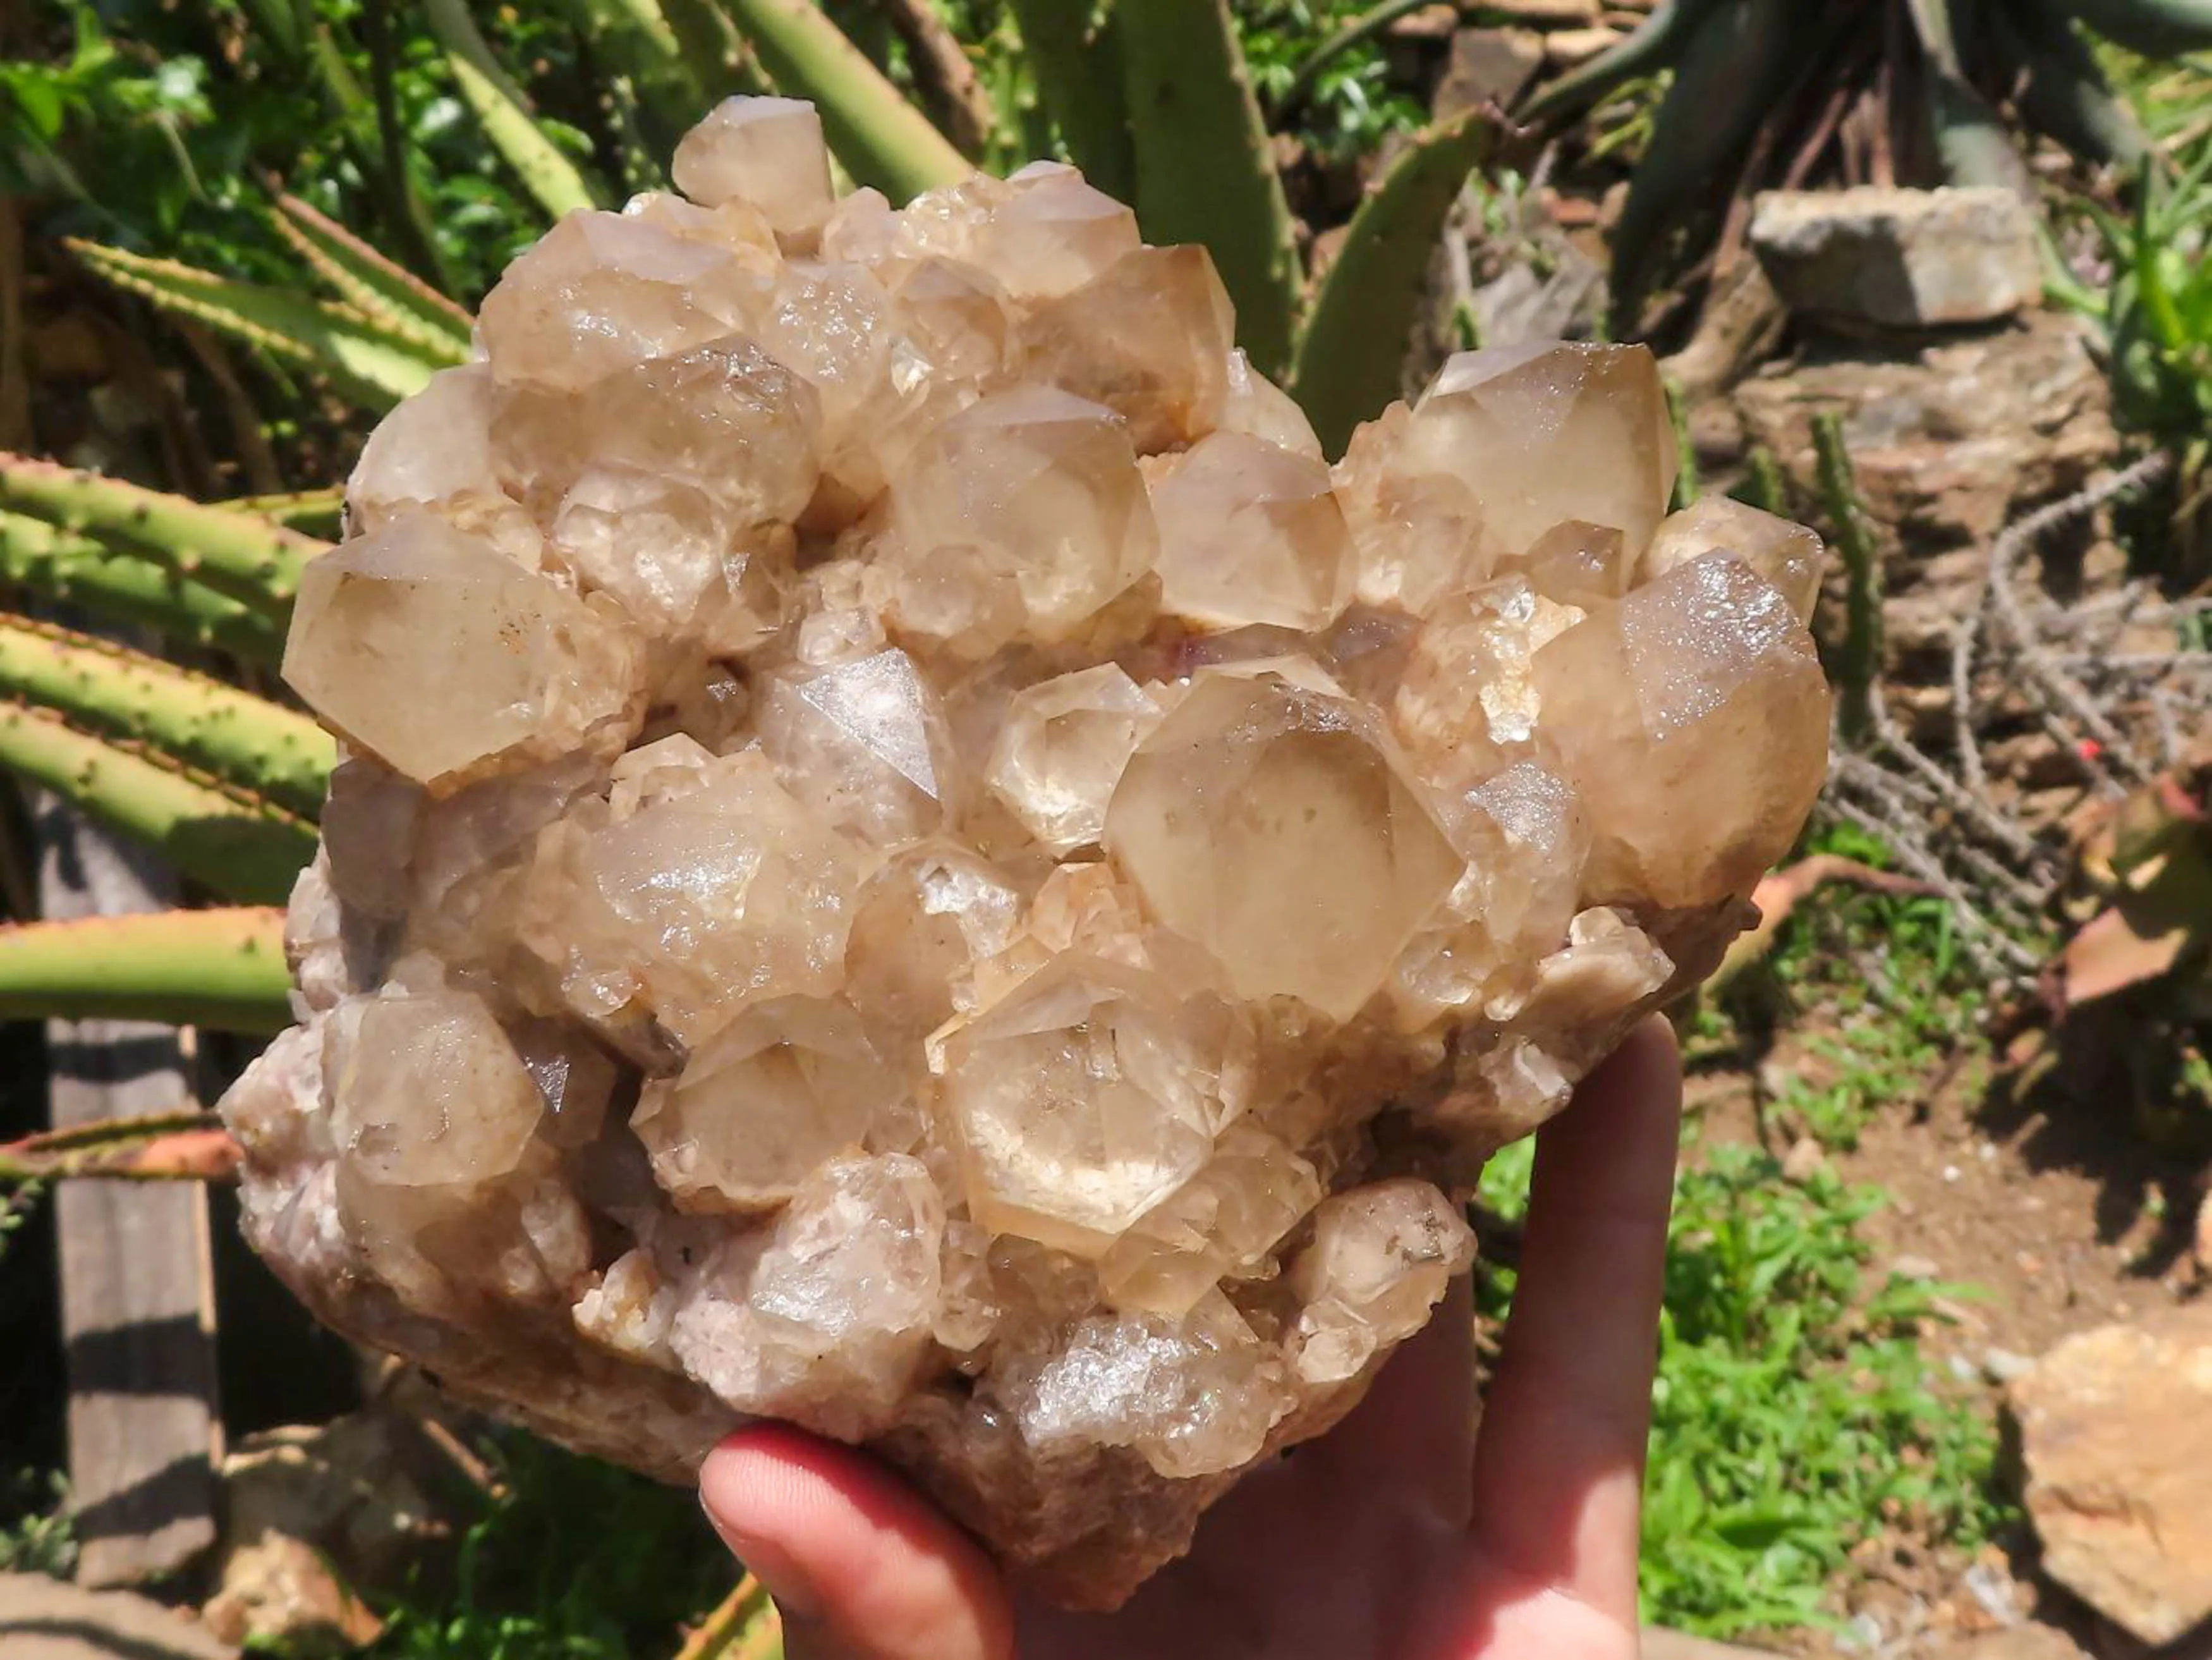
<point>912,858</point>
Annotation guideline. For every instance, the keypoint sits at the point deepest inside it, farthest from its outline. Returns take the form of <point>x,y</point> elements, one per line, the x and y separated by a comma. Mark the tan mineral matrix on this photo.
<point>914,859</point>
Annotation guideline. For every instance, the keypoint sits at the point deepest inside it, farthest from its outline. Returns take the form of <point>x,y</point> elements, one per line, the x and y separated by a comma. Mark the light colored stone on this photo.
<point>1379,1261</point>
<point>1062,748</point>
<point>1256,405</point>
<point>1785,553</point>
<point>726,890</point>
<point>1251,533</point>
<point>602,292</point>
<point>2116,1432</point>
<point>768,153</point>
<point>505,668</point>
<point>1909,259</point>
<point>1024,514</point>
<point>788,1085</point>
<point>1544,433</point>
<point>1692,718</point>
<point>864,742</point>
<point>1276,828</point>
<point>1082,1099</point>
<point>912,859</point>
<point>1148,338</point>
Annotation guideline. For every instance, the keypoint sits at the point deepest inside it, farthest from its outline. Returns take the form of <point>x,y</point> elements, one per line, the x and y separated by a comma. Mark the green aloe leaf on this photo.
<point>504,113</point>
<point>254,563</point>
<point>366,362</point>
<point>388,293</point>
<point>1206,170</point>
<point>243,849</point>
<point>1348,359</point>
<point>273,753</point>
<point>222,969</point>
<point>81,570</point>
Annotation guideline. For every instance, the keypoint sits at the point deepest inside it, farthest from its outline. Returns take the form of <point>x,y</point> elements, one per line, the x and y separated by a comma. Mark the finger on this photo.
<point>860,1566</point>
<point>1413,1435</point>
<point>1558,1463</point>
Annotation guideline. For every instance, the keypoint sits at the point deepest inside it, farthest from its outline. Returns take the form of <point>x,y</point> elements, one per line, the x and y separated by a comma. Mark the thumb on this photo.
<point>860,1567</point>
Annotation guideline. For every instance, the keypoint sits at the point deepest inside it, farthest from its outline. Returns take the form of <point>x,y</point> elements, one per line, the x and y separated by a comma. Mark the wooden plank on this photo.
<point>137,1289</point>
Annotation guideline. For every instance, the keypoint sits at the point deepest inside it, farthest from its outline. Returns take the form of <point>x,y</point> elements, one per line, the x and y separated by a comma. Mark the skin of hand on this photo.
<point>1402,1535</point>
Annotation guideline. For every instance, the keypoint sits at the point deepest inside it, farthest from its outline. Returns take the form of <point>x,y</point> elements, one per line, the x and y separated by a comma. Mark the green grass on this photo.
<point>578,1562</point>
<point>1794,1415</point>
<point>1882,981</point>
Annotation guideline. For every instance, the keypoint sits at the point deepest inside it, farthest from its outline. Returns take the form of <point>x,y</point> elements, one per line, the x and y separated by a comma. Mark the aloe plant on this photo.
<point>231,841</point>
<point>124,588</point>
<point>374,364</point>
<point>1752,76</point>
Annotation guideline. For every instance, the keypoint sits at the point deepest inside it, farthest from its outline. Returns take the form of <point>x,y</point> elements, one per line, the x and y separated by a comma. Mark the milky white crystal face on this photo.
<point>1690,717</point>
<point>506,667</point>
<point>913,857</point>
<point>1081,1099</point>
<point>1542,435</point>
<point>1251,532</point>
<point>1276,828</point>
<point>1786,554</point>
<point>1024,514</point>
<point>767,153</point>
<point>788,1084</point>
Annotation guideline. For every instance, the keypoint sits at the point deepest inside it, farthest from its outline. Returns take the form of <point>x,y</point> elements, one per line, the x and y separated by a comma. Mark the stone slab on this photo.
<point>2116,1433</point>
<point>1902,258</point>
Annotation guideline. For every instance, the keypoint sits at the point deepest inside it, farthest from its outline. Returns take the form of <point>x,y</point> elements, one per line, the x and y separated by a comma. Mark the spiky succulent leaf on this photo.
<point>1653,46</point>
<point>230,843</point>
<point>254,563</point>
<point>387,293</point>
<point>363,360</point>
<point>2156,28</point>
<point>504,113</point>
<point>222,969</point>
<point>122,587</point>
<point>263,748</point>
<point>312,512</point>
<point>1065,45</point>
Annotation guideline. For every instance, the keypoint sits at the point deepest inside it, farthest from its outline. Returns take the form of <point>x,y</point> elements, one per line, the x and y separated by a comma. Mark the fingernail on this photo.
<point>783,1579</point>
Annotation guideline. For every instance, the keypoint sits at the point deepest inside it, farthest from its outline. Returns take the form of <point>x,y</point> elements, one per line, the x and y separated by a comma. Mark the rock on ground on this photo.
<point>43,1618</point>
<point>1902,258</point>
<point>2116,1433</point>
<point>1951,443</point>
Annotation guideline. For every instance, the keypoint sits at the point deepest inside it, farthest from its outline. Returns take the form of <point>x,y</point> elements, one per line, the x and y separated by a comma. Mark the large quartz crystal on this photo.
<point>913,858</point>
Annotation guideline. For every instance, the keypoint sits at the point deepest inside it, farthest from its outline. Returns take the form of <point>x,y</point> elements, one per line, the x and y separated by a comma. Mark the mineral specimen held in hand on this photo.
<point>913,859</point>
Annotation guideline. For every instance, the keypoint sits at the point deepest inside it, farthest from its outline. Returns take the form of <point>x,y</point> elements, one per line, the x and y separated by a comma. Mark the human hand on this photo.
<point>1399,1535</point>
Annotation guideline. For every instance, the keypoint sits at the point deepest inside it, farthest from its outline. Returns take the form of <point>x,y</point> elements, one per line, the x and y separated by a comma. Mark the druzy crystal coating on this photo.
<point>912,858</point>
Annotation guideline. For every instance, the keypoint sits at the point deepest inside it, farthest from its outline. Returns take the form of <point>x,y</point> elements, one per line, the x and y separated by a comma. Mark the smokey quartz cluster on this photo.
<point>914,859</point>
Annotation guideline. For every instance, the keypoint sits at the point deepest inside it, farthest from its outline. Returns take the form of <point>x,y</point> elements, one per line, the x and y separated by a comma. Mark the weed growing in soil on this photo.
<point>1794,1416</point>
<point>578,1560</point>
<point>38,1537</point>
<point>1879,983</point>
